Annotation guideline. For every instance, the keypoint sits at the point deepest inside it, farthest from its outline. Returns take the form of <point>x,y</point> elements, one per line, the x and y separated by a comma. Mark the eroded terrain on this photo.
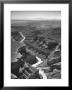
<point>36,50</point>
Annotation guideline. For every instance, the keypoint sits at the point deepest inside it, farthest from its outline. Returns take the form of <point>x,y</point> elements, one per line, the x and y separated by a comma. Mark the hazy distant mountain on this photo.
<point>36,22</point>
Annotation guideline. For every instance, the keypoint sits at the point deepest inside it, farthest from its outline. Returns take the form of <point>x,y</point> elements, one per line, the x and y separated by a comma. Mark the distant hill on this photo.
<point>36,22</point>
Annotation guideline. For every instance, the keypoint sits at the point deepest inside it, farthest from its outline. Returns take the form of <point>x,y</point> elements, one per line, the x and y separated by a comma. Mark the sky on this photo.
<point>35,15</point>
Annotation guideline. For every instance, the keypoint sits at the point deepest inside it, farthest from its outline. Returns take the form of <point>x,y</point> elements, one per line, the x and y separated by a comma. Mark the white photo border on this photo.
<point>64,8</point>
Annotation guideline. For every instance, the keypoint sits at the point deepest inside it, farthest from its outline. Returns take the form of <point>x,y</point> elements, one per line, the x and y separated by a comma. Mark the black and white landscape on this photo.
<point>35,45</point>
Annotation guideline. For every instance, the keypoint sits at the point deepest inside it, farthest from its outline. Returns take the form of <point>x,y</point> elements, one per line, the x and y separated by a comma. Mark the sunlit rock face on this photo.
<point>14,48</point>
<point>53,61</point>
